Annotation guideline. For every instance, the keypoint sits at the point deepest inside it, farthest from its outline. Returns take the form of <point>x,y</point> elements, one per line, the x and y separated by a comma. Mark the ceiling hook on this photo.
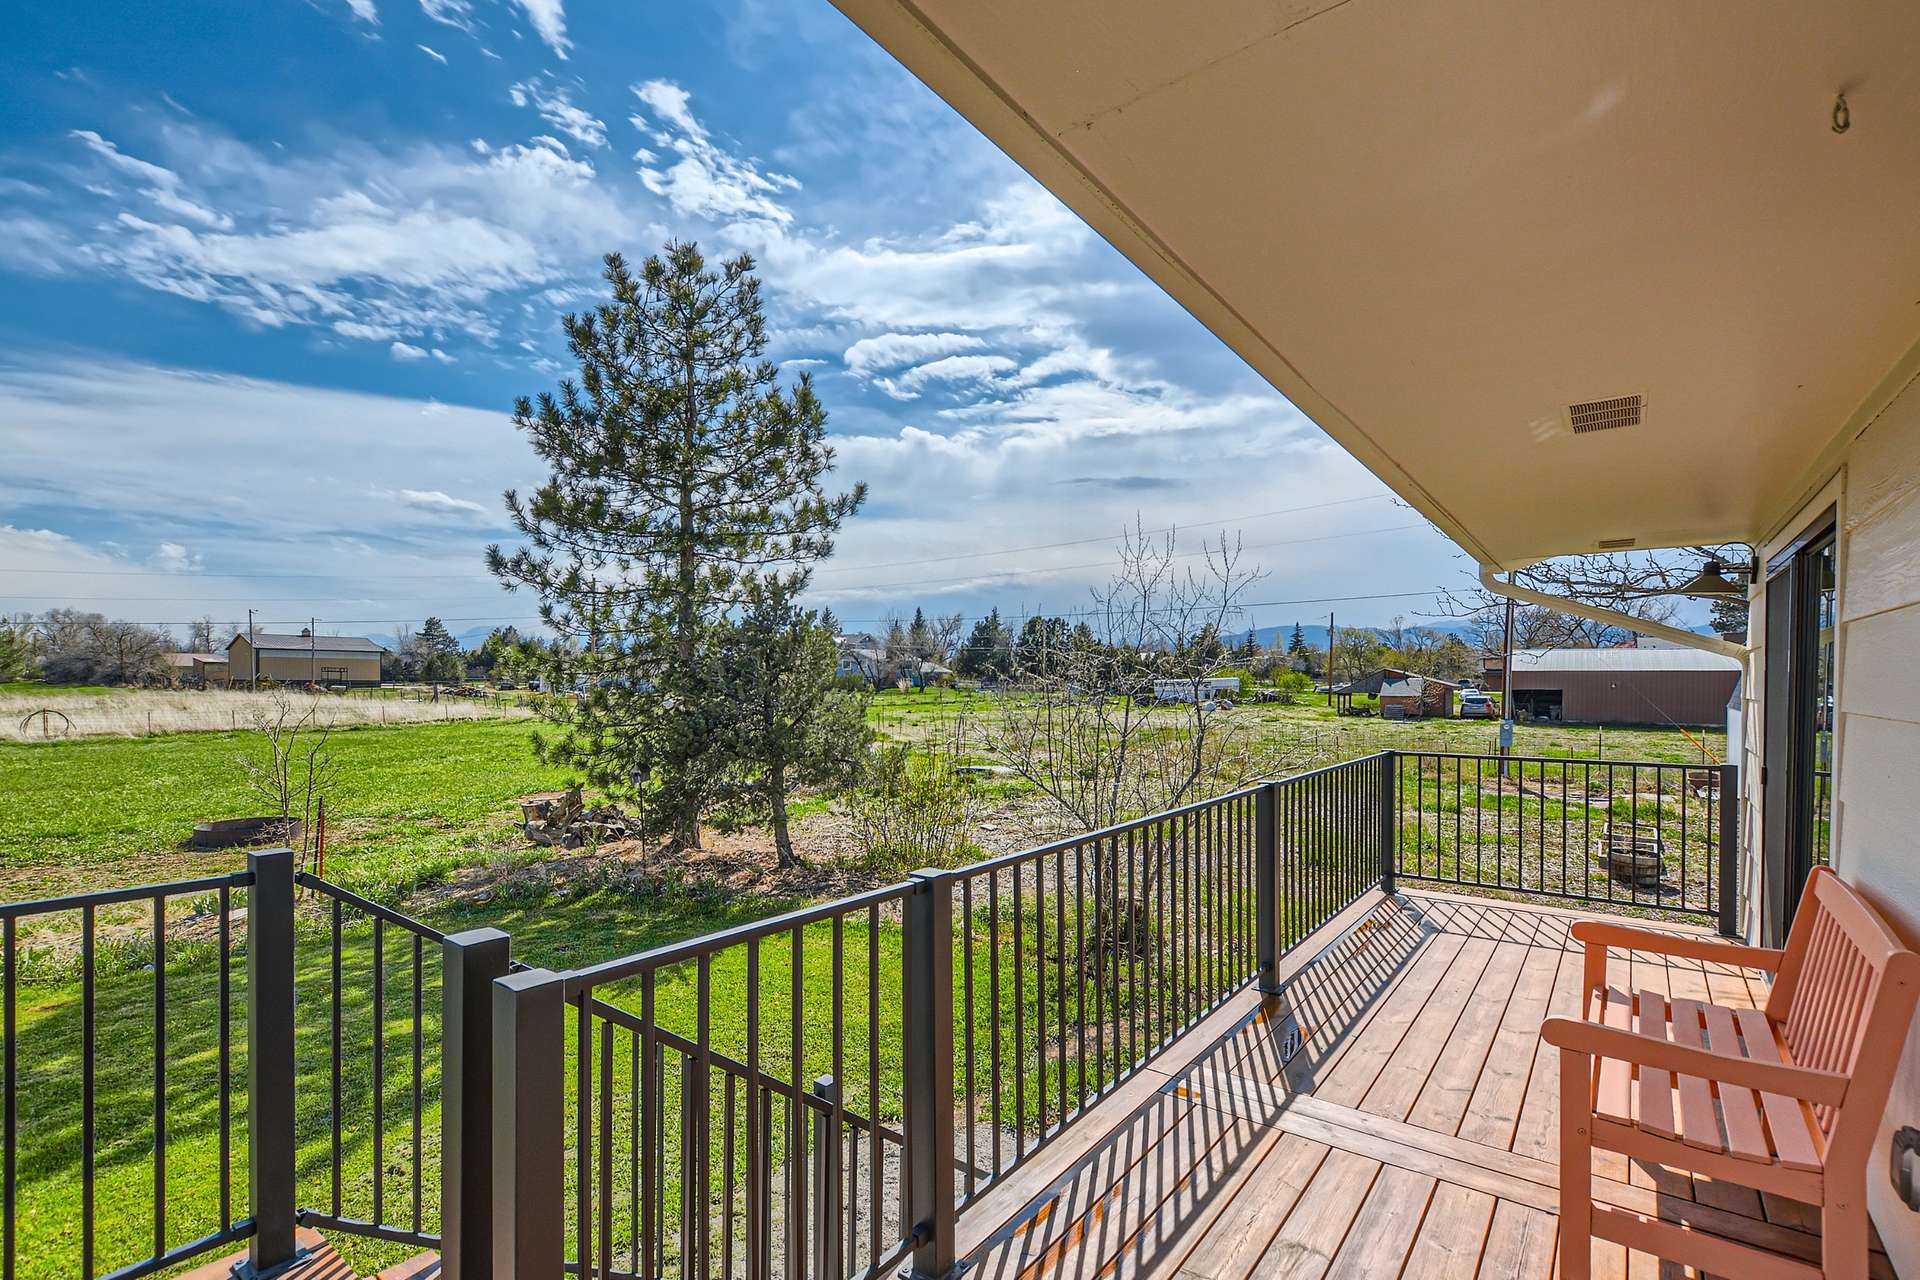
<point>1842,120</point>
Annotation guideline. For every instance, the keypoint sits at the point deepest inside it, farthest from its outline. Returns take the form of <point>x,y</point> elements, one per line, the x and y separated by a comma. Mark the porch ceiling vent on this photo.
<point>1615,544</point>
<point>1605,415</point>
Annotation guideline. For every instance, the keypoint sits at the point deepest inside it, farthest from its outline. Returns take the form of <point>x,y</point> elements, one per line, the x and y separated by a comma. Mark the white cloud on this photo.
<point>704,179</point>
<point>171,557</point>
<point>433,53</point>
<point>376,244</point>
<point>364,11</point>
<point>895,350</point>
<point>279,479</point>
<point>163,184</point>
<point>957,369</point>
<point>556,107</point>
<point>549,22</point>
<point>435,500</point>
<point>452,13</point>
<point>407,351</point>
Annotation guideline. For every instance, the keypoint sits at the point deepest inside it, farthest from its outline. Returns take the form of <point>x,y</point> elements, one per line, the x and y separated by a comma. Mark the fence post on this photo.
<point>827,1180</point>
<point>270,1066</point>
<point>1730,850</point>
<point>1266,881</point>
<point>469,962</point>
<point>1389,817</point>
<point>529,1126</point>
<point>927,1033</point>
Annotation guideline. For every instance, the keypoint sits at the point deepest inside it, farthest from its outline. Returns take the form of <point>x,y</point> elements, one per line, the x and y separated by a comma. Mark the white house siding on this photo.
<point>1876,812</point>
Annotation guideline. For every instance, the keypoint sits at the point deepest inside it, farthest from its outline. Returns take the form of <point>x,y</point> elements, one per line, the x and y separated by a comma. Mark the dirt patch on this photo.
<point>734,863</point>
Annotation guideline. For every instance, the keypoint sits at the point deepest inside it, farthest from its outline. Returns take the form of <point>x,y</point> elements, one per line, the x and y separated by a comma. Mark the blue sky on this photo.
<point>275,270</point>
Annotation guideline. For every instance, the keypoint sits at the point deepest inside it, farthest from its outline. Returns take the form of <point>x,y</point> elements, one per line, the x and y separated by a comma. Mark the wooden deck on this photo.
<point>1412,1133</point>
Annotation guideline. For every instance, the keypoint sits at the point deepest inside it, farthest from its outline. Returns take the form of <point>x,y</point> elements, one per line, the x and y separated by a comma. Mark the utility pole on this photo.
<point>1329,660</point>
<point>313,649</point>
<point>1506,694</point>
<point>253,658</point>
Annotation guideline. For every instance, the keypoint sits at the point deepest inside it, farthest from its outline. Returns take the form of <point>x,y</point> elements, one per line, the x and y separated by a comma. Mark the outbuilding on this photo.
<point>352,661</point>
<point>1620,686</point>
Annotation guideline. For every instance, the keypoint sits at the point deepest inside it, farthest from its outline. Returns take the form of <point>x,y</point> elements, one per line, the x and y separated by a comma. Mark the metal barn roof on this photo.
<point>1607,660</point>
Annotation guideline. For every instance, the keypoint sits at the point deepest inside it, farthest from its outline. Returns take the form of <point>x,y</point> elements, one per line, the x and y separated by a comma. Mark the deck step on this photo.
<point>425,1266</point>
<point>326,1264</point>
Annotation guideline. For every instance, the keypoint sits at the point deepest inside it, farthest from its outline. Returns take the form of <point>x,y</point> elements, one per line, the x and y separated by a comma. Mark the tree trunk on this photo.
<point>777,799</point>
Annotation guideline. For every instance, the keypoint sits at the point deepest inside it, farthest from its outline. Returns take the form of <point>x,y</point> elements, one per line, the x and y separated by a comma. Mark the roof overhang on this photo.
<point>1435,228</point>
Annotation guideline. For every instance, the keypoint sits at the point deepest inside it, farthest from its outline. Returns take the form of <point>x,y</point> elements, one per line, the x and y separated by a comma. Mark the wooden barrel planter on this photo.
<point>1635,859</point>
<point>236,833</point>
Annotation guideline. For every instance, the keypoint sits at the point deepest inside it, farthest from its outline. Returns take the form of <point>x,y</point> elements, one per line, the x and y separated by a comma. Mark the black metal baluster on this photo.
<point>652,1228</point>
<point>634,1174</point>
<point>1079,971</point>
<point>419,1071</point>
<point>876,1161</point>
<point>726,1178</point>
<point>1019,1022</point>
<point>159,1074</point>
<point>1060,972</point>
<point>333,1116</point>
<point>606,1149</point>
<point>11,1139</point>
<point>87,1082</point>
<point>993,1013</point>
<point>837,1123</point>
<point>583,1137</point>
<point>1040,1083</point>
<point>379,1067</point>
<point>797,1162</point>
<point>703,1036</point>
<point>966,951</point>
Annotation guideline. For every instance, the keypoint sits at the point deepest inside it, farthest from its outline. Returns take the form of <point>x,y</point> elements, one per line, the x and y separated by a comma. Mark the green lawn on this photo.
<point>411,804</point>
<point>31,688</point>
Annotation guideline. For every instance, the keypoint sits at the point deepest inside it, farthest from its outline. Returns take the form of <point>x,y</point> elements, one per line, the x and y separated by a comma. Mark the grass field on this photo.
<point>414,804</point>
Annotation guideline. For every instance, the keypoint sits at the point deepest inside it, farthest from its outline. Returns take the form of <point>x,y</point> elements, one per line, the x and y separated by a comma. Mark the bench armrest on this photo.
<point>1603,934</point>
<point>1601,1041</point>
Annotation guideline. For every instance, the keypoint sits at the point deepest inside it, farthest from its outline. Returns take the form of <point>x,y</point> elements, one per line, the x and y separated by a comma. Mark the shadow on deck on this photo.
<point>1391,1113</point>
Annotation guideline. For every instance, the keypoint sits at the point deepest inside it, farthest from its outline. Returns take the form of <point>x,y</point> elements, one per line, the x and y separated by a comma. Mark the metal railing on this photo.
<point>120,947</point>
<point>818,1094</point>
<point>154,1088</point>
<point>1614,833</point>
<point>369,1061</point>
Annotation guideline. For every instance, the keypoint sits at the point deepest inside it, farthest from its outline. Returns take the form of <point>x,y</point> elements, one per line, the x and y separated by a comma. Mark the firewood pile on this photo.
<point>561,819</point>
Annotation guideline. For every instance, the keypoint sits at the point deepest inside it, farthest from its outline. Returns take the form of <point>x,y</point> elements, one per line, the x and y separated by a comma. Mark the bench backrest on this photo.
<point>1842,1000</point>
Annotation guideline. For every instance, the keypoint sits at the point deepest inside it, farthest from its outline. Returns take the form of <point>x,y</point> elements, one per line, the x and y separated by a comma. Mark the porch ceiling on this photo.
<point>1435,227</point>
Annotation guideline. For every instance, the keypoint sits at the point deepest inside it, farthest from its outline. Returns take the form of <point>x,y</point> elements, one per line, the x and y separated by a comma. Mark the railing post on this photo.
<point>1730,850</point>
<point>927,1033</point>
<point>270,1065</point>
<point>529,1126</point>
<point>1268,907</point>
<point>469,963</point>
<point>1389,817</point>
<point>827,1181</point>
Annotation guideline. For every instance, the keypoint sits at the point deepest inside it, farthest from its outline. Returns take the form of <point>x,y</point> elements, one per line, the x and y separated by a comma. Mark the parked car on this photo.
<point>1478,706</point>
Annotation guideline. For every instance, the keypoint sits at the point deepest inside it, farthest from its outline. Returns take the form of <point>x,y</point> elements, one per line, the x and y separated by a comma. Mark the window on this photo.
<point>1798,716</point>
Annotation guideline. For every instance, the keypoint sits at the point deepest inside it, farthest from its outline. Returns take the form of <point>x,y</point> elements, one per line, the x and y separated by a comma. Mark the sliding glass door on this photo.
<point>1797,778</point>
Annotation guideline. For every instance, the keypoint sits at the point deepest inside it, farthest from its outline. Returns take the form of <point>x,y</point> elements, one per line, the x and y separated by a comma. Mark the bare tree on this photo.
<point>1128,725</point>
<point>294,767</point>
<point>1640,584</point>
<point>946,631</point>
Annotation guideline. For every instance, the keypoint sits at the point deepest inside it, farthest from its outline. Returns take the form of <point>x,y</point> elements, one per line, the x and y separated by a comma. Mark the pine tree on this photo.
<point>988,650</point>
<point>794,728</point>
<point>683,478</point>
<point>1729,617</point>
<point>436,638</point>
<point>1297,645</point>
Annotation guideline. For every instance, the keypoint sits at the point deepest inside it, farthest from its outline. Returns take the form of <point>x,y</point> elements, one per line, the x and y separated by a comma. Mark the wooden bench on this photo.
<point>1786,1099</point>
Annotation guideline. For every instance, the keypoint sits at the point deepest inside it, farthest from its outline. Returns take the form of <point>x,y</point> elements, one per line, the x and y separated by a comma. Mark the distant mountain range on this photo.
<point>1316,636</point>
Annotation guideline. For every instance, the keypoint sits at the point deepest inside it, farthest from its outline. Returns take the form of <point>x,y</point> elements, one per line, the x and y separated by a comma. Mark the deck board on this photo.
<point>1413,1133</point>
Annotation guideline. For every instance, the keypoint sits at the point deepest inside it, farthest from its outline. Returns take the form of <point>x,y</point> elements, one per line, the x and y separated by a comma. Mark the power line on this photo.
<point>919,583</point>
<point>859,568</point>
